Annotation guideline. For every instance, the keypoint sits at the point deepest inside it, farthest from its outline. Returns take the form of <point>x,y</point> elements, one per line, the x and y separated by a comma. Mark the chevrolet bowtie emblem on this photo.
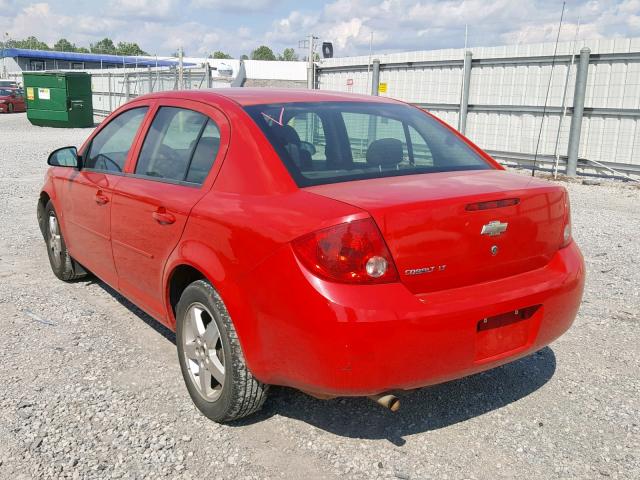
<point>494,228</point>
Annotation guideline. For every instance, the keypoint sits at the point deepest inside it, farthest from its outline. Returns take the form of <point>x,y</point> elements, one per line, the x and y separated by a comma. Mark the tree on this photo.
<point>64,45</point>
<point>103,46</point>
<point>129,48</point>
<point>244,57</point>
<point>263,53</point>
<point>288,55</point>
<point>30,42</point>
<point>221,55</point>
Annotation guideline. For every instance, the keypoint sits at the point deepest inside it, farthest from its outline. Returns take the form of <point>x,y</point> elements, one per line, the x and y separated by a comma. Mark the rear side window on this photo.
<point>110,147</point>
<point>181,146</point>
<point>348,141</point>
<point>204,154</point>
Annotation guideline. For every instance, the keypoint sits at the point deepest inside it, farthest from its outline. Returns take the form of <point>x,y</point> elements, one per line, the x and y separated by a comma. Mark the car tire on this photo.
<point>10,108</point>
<point>63,266</point>
<point>207,347</point>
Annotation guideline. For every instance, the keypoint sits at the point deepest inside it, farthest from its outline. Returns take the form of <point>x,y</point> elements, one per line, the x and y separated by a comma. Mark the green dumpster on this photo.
<point>59,99</point>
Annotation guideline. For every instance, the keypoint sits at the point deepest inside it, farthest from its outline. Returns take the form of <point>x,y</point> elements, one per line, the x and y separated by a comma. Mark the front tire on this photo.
<point>63,266</point>
<point>211,359</point>
<point>10,108</point>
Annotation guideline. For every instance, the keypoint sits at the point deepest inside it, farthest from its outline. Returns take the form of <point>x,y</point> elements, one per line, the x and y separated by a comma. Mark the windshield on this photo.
<point>329,142</point>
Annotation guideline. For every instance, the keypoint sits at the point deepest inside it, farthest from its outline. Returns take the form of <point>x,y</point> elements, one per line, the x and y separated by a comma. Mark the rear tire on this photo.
<point>211,359</point>
<point>10,108</point>
<point>63,266</point>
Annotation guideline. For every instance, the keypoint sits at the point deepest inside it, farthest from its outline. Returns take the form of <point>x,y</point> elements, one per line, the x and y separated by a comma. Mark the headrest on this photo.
<point>205,143</point>
<point>287,134</point>
<point>209,142</point>
<point>386,152</point>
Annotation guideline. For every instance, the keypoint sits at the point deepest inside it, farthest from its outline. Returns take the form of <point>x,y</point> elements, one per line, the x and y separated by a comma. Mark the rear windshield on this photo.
<point>329,142</point>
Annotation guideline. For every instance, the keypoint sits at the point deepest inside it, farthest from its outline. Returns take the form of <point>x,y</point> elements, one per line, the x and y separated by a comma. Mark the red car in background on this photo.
<point>12,100</point>
<point>343,245</point>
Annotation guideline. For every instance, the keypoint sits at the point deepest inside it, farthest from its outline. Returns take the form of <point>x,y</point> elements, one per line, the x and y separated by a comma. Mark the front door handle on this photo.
<point>163,217</point>
<point>101,198</point>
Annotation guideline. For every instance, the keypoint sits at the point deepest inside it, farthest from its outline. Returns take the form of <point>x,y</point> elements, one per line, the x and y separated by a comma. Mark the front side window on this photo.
<point>110,147</point>
<point>181,145</point>
<point>359,140</point>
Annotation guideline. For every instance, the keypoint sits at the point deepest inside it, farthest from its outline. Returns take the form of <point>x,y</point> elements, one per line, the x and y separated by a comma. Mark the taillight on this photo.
<point>352,252</point>
<point>566,231</point>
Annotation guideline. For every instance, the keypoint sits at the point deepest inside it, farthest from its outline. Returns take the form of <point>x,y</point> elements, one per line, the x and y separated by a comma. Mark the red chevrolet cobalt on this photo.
<point>343,245</point>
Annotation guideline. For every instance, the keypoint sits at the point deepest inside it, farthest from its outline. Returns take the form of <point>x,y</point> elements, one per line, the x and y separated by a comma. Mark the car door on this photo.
<point>20,102</point>
<point>87,193</point>
<point>176,164</point>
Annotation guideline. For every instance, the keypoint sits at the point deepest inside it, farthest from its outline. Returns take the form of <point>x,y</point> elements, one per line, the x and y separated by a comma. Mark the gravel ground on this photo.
<point>91,388</point>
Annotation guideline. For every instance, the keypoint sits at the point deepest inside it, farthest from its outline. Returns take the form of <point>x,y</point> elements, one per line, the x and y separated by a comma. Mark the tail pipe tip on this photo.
<point>388,401</point>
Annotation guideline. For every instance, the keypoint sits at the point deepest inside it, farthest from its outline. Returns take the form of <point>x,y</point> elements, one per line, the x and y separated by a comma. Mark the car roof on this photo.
<point>258,96</point>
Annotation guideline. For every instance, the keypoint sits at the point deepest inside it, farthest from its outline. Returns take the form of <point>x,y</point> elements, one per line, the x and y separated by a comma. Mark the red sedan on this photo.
<point>11,100</point>
<point>343,245</point>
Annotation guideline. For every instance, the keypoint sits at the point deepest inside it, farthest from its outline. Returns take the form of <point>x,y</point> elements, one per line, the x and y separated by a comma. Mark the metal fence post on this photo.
<point>464,98</point>
<point>125,79</point>
<point>150,79</point>
<point>578,110</point>
<point>375,77</point>
<point>110,92</point>
<point>207,72</point>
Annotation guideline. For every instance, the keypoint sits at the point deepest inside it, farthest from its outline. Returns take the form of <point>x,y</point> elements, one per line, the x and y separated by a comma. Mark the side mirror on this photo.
<point>65,157</point>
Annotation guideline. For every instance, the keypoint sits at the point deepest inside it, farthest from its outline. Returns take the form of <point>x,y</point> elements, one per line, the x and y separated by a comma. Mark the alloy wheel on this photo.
<point>55,240</point>
<point>203,352</point>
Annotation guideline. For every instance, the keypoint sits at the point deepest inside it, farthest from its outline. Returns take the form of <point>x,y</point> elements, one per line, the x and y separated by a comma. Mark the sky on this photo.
<point>239,26</point>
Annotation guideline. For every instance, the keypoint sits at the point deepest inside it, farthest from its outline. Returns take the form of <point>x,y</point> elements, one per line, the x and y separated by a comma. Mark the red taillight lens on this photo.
<point>352,252</point>
<point>566,230</point>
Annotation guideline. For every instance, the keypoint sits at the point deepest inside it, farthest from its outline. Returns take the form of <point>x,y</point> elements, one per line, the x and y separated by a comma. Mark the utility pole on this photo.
<point>311,66</point>
<point>311,76</point>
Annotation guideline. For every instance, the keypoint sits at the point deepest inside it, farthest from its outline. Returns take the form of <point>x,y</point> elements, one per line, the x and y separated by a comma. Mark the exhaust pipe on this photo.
<point>388,401</point>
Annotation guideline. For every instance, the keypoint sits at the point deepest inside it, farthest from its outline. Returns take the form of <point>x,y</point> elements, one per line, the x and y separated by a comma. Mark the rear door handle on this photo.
<point>163,217</point>
<point>101,198</point>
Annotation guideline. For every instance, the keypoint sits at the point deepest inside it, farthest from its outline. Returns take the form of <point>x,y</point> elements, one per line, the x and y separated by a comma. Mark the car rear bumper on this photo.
<point>349,340</point>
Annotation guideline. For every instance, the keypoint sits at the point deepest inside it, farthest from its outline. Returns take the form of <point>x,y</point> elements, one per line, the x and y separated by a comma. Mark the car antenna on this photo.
<point>546,98</point>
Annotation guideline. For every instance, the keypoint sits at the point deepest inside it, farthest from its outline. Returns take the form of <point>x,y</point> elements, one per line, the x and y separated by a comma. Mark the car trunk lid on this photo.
<point>450,229</point>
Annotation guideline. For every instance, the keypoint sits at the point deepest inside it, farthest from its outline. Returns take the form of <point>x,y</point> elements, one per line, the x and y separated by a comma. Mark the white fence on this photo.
<point>112,88</point>
<point>508,88</point>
